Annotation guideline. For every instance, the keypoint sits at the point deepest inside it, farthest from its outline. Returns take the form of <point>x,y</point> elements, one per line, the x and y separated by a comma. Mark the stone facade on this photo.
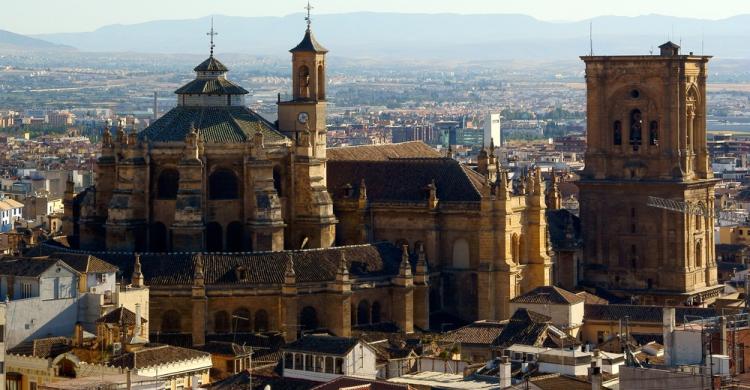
<point>647,137</point>
<point>234,219</point>
<point>211,175</point>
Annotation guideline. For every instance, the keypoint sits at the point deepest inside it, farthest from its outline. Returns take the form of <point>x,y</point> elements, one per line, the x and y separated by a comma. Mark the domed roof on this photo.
<point>211,64</point>
<point>309,44</point>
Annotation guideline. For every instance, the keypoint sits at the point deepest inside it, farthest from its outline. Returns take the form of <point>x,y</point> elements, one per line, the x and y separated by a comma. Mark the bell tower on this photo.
<point>646,136</point>
<point>303,120</point>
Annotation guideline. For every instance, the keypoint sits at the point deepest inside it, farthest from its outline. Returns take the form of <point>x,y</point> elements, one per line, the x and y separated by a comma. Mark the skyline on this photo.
<point>92,14</point>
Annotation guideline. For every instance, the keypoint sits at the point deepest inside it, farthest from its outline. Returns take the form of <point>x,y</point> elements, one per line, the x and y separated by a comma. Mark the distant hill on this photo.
<point>439,36</point>
<point>16,42</point>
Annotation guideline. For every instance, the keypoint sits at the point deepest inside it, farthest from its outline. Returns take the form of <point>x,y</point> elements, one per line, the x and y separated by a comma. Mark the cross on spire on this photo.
<point>212,33</point>
<point>307,18</point>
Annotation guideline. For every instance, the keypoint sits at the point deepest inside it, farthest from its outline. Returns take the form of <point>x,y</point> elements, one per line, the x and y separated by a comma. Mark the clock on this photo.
<point>302,117</point>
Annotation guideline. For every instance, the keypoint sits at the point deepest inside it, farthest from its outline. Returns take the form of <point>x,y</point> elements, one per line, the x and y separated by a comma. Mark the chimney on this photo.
<point>668,321</point>
<point>137,330</point>
<point>78,337</point>
<point>596,378</point>
<point>503,372</point>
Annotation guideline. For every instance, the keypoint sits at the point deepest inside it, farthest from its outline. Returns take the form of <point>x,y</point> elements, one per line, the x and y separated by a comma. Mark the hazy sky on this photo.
<point>46,16</point>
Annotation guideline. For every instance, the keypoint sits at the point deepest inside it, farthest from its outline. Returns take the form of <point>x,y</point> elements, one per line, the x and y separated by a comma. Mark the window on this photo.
<point>101,278</point>
<point>298,362</point>
<point>168,184</point>
<point>222,184</point>
<point>319,363</point>
<point>25,290</point>
<point>653,133</point>
<point>308,363</point>
<point>617,133</point>
<point>289,360</point>
<point>339,365</point>
<point>329,365</point>
<point>636,125</point>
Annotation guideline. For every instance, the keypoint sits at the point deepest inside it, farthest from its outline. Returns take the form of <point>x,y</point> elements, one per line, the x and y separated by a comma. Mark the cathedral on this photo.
<point>239,224</point>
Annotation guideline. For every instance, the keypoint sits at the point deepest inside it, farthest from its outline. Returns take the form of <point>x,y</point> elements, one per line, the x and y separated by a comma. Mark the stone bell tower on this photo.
<point>303,120</point>
<point>646,137</point>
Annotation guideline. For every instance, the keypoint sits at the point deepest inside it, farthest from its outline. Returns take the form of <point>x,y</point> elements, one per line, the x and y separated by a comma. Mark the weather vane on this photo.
<point>307,18</point>
<point>211,34</point>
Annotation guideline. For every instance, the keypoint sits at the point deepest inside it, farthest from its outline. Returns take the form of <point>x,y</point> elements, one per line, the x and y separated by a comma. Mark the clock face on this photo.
<point>302,117</point>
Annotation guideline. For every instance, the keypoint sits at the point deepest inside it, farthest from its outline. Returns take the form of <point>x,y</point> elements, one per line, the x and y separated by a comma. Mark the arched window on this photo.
<point>522,249</point>
<point>375,317</point>
<point>277,180</point>
<point>235,237</point>
<point>304,81</point>
<point>171,322</point>
<point>515,248</point>
<point>214,237</point>
<point>617,133</point>
<point>461,256</point>
<point>168,184</point>
<point>653,133</point>
<point>159,238</point>
<point>222,184</point>
<point>636,126</point>
<point>241,320</point>
<point>221,322</point>
<point>363,312</point>
<point>321,83</point>
<point>308,318</point>
<point>261,321</point>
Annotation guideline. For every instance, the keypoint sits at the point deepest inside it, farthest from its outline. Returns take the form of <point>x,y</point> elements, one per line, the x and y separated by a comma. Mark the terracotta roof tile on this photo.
<point>548,295</point>
<point>412,149</point>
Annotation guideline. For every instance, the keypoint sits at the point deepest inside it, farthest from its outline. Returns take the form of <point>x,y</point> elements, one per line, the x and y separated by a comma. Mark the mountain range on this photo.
<point>10,42</point>
<point>422,36</point>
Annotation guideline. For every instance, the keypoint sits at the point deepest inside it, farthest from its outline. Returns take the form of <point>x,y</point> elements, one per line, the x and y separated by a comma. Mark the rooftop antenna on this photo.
<point>307,17</point>
<point>702,37</point>
<point>212,33</point>
<point>591,37</point>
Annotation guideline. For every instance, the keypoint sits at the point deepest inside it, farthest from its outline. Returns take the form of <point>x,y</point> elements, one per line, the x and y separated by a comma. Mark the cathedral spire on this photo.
<point>307,17</point>
<point>211,34</point>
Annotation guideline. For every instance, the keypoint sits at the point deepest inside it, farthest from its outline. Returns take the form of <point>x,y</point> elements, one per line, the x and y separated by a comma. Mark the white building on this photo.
<point>564,307</point>
<point>492,130</point>
<point>324,358</point>
<point>10,211</point>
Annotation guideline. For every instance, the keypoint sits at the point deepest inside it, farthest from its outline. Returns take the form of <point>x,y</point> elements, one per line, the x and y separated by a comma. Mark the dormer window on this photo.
<point>241,273</point>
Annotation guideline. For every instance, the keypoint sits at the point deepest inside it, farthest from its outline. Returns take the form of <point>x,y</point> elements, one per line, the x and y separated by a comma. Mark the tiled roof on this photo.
<point>25,266</point>
<point>42,348</point>
<point>412,149</point>
<point>153,356</point>
<point>552,295</point>
<point>360,384</point>
<point>120,315</point>
<point>214,86</point>
<point>314,265</point>
<point>231,124</point>
<point>592,298</point>
<point>405,180</point>
<point>524,327</point>
<point>309,44</point>
<point>84,263</point>
<point>329,345</point>
<point>557,382</point>
<point>226,348</point>
<point>639,313</point>
<point>480,332</point>
<point>211,64</point>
